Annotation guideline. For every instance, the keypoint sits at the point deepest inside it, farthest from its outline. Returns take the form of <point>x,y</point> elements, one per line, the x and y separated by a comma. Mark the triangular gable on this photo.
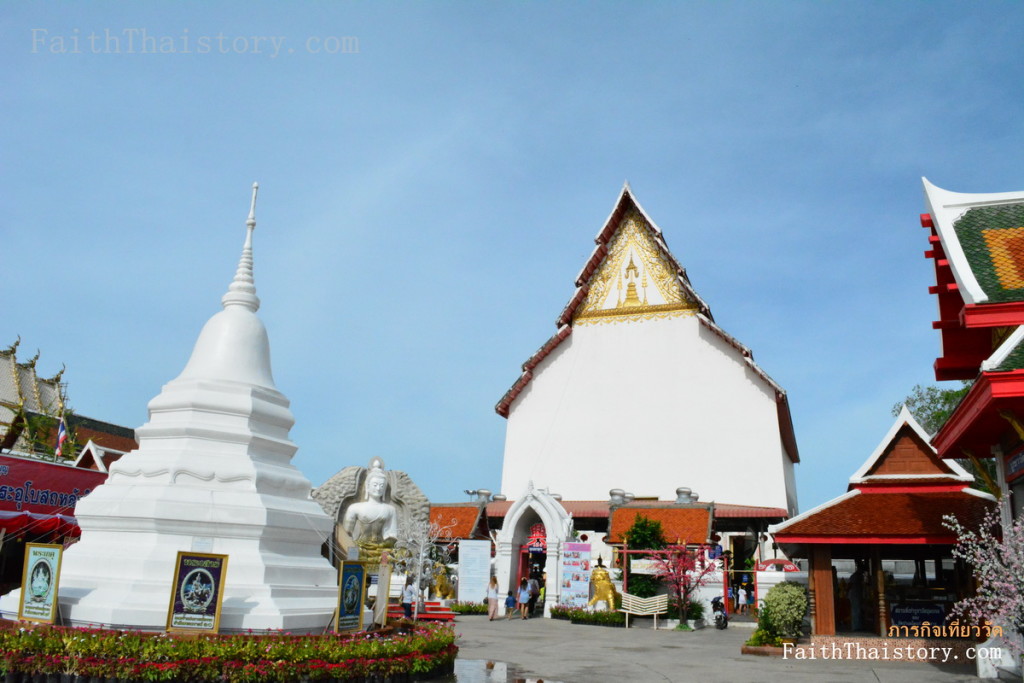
<point>906,453</point>
<point>91,458</point>
<point>637,276</point>
<point>630,272</point>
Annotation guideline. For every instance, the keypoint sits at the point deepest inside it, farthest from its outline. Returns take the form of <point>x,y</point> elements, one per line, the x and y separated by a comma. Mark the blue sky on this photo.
<point>426,202</point>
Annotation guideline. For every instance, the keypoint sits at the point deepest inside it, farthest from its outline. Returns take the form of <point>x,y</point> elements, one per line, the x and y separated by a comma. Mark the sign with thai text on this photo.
<point>197,591</point>
<point>39,582</point>
<point>916,613</point>
<point>643,566</point>
<point>351,595</point>
<point>43,487</point>
<point>1015,466</point>
<point>474,570</point>
<point>576,570</point>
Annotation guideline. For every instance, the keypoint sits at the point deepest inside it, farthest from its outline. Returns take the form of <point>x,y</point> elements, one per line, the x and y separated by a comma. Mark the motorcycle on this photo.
<point>718,609</point>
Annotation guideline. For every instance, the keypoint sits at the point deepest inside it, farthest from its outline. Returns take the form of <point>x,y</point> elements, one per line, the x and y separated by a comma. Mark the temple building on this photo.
<point>639,386</point>
<point>977,244</point>
<point>893,509</point>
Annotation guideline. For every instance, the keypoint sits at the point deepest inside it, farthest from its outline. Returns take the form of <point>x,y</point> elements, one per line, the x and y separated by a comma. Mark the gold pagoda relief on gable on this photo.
<point>635,281</point>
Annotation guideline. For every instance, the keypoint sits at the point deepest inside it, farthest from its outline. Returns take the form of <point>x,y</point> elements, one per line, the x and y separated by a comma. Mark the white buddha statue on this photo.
<point>373,522</point>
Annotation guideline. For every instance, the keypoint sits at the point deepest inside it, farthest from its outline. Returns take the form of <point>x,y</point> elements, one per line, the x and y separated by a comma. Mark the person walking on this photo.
<point>534,586</point>
<point>408,598</point>
<point>510,605</point>
<point>524,597</point>
<point>492,599</point>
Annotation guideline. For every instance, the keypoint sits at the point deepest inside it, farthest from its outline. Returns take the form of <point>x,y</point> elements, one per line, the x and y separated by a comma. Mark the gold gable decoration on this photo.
<point>635,281</point>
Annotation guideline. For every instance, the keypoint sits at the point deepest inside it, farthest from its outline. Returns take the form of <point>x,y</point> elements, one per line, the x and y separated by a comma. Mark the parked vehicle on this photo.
<point>721,618</point>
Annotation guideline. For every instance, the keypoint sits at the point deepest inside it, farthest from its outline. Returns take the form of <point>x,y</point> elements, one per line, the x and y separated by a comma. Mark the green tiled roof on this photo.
<point>992,238</point>
<point>1014,361</point>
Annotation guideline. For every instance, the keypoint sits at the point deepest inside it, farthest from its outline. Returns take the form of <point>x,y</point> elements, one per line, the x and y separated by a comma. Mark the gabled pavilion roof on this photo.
<point>905,456</point>
<point>899,495</point>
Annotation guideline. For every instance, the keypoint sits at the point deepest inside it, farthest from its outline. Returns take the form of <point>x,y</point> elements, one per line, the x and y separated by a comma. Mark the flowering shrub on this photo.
<point>159,657</point>
<point>785,607</point>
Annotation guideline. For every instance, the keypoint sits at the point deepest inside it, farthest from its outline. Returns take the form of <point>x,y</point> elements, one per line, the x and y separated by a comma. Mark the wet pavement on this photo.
<point>557,651</point>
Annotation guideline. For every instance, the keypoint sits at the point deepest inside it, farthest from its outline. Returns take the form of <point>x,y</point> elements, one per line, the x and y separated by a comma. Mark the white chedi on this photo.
<point>212,472</point>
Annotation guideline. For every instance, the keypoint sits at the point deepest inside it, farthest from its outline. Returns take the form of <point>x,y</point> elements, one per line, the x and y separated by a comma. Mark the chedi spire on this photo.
<point>242,290</point>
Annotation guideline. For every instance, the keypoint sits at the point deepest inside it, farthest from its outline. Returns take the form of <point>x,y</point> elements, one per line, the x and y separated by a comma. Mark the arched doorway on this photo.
<point>529,544</point>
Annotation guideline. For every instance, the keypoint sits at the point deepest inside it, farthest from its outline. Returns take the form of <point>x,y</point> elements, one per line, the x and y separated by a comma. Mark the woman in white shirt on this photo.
<point>408,597</point>
<point>492,599</point>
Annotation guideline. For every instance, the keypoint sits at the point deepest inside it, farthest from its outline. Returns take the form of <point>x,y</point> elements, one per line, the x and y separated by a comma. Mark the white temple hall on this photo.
<point>639,389</point>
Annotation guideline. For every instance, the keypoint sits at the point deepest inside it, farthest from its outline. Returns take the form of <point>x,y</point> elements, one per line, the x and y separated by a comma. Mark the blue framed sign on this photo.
<point>39,582</point>
<point>351,596</point>
<point>197,591</point>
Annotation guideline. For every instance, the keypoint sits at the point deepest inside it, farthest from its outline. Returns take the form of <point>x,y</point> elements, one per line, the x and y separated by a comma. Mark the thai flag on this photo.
<point>62,436</point>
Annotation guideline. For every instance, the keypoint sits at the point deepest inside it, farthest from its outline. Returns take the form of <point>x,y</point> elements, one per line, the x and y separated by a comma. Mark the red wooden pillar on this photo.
<point>823,609</point>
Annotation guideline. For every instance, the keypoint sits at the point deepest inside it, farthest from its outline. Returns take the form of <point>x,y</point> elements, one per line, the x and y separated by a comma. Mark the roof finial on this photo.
<point>242,290</point>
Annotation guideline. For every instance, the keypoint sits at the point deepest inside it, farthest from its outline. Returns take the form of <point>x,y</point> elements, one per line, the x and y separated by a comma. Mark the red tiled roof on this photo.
<point>461,518</point>
<point>900,517</point>
<point>577,508</point>
<point>680,524</point>
<point>729,510</point>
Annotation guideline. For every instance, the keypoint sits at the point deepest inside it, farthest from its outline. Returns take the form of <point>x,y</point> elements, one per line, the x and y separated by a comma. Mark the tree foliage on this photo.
<point>931,406</point>
<point>644,534</point>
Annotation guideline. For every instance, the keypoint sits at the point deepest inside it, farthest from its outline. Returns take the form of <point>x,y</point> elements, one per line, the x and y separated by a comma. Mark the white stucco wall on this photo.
<point>648,406</point>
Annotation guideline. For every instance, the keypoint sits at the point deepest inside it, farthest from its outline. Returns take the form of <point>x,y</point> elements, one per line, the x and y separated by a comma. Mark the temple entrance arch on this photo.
<point>530,541</point>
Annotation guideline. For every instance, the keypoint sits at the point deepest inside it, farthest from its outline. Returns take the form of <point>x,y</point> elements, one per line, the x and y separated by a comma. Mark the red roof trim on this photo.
<point>965,428</point>
<point>863,540</point>
<point>993,315</point>
<point>881,488</point>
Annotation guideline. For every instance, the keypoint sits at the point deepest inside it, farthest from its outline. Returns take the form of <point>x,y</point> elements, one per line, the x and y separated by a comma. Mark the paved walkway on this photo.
<point>557,651</point>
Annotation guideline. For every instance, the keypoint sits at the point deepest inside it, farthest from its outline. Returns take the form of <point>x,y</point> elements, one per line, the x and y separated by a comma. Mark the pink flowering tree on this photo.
<point>683,570</point>
<point>998,562</point>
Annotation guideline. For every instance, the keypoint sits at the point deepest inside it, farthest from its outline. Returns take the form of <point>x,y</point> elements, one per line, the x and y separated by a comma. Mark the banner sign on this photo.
<point>197,591</point>
<point>44,487</point>
<point>776,566</point>
<point>643,566</point>
<point>474,570</point>
<point>39,582</point>
<point>575,575</point>
<point>351,595</point>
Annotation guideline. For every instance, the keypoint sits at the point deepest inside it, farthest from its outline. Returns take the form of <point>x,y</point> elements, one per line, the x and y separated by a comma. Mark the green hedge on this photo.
<point>577,615</point>
<point>469,607</point>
